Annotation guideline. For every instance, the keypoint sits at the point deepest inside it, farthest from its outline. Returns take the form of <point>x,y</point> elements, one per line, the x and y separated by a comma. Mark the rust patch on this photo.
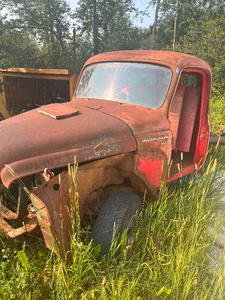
<point>58,111</point>
<point>53,209</point>
<point>10,232</point>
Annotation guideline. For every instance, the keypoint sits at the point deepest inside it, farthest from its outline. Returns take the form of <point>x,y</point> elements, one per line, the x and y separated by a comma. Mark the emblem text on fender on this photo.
<point>162,137</point>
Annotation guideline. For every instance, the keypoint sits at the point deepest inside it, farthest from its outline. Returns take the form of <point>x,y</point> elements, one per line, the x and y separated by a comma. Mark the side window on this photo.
<point>189,80</point>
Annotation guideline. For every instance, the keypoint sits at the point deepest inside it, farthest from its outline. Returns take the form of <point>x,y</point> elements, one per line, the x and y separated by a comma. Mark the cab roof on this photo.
<point>167,58</point>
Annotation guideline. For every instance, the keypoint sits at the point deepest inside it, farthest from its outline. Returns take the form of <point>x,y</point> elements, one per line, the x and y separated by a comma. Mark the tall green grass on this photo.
<point>169,259</point>
<point>217,112</point>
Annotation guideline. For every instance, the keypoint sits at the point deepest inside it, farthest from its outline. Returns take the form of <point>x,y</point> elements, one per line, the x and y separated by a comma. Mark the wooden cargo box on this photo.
<point>42,85</point>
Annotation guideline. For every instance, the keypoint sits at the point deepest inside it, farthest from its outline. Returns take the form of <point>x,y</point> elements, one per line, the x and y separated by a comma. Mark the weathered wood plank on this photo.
<point>42,86</point>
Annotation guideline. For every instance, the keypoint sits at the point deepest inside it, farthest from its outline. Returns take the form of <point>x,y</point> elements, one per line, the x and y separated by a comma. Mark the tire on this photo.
<point>117,213</point>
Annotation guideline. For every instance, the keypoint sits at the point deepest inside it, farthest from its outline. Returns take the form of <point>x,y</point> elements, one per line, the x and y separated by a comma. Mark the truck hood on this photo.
<point>33,141</point>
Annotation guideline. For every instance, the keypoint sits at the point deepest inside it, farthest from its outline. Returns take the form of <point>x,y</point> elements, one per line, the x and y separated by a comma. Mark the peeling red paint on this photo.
<point>152,170</point>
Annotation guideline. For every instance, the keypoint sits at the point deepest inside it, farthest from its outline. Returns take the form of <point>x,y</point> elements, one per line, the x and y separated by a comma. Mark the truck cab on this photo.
<point>137,121</point>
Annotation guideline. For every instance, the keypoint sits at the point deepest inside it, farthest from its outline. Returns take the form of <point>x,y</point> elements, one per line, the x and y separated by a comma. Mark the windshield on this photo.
<point>135,83</point>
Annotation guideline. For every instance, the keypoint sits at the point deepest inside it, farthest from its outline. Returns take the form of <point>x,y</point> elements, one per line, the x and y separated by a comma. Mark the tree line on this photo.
<point>48,34</point>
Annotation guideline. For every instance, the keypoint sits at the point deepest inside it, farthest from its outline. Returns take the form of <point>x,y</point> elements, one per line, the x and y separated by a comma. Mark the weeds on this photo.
<point>169,259</point>
<point>217,112</point>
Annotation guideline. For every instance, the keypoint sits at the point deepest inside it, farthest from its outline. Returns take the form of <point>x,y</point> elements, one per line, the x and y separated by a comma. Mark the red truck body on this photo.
<point>138,119</point>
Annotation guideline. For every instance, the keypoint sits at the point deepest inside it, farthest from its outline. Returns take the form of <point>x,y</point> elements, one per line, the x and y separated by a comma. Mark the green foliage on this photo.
<point>74,203</point>
<point>169,259</point>
<point>205,39</point>
<point>217,113</point>
<point>22,257</point>
<point>189,12</point>
<point>24,275</point>
<point>112,23</point>
<point>37,34</point>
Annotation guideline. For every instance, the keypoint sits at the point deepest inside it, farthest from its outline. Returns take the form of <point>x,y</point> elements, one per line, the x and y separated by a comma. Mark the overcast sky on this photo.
<point>140,4</point>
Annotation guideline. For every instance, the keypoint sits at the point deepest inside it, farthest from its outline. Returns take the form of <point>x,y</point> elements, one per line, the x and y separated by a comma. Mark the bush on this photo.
<point>217,112</point>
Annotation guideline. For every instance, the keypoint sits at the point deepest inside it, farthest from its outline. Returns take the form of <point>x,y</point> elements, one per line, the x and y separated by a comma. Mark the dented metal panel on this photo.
<point>88,135</point>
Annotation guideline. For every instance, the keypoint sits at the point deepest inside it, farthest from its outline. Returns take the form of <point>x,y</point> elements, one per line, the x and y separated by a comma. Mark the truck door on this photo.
<point>188,116</point>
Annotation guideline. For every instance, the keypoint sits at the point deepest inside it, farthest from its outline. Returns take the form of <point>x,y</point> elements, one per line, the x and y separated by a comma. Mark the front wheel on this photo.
<point>117,214</point>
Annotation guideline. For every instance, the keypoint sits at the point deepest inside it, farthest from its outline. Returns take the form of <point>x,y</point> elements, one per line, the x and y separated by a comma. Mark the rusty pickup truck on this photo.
<point>137,120</point>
